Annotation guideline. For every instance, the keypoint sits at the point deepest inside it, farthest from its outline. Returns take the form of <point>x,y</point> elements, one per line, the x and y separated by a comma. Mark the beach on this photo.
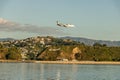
<point>63,62</point>
<point>79,62</point>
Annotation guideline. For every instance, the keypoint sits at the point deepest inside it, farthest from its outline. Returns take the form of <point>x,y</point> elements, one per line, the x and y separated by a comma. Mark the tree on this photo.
<point>13,53</point>
<point>97,44</point>
<point>31,56</point>
<point>3,53</point>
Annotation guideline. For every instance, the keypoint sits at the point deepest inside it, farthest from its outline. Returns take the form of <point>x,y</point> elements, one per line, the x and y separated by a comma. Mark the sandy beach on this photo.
<point>62,62</point>
<point>79,62</point>
<point>17,61</point>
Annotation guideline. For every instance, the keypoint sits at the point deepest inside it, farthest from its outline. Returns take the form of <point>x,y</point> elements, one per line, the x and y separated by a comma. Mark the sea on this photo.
<point>39,71</point>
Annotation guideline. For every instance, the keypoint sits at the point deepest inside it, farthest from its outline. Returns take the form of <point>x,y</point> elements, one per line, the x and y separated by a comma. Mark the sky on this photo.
<point>93,19</point>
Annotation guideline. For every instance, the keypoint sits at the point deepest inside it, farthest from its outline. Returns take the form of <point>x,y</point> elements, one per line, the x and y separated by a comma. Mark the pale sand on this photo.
<point>62,62</point>
<point>79,62</point>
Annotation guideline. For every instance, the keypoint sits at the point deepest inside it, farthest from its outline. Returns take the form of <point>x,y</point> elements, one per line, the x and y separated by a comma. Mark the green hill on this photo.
<point>51,48</point>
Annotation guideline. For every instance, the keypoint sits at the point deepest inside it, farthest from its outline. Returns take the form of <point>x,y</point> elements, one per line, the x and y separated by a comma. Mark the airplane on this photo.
<point>64,25</point>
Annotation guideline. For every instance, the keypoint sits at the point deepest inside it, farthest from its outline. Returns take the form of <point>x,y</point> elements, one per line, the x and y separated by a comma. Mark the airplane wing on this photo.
<point>65,25</point>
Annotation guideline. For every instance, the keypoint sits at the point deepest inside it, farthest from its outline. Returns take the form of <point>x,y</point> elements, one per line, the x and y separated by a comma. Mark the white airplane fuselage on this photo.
<point>65,25</point>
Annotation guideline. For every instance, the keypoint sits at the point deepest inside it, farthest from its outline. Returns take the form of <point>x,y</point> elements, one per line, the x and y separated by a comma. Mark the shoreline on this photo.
<point>80,62</point>
<point>64,62</point>
<point>17,61</point>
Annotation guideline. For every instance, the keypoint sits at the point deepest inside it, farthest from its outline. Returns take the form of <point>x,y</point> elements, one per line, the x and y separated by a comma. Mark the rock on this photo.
<point>75,51</point>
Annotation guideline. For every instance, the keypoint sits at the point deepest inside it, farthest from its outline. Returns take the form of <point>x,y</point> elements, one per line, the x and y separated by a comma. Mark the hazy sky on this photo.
<point>95,19</point>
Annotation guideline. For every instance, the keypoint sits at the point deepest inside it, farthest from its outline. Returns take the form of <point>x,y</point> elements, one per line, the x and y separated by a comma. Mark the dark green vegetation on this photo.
<point>50,48</point>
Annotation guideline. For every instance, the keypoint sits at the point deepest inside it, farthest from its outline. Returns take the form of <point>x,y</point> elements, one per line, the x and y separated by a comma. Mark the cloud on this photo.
<point>6,22</point>
<point>8,26</point>
<point>2,21</point>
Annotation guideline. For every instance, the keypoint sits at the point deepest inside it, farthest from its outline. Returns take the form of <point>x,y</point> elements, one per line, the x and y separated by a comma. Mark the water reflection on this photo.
<point>42,71</point>
<point>58,75</point>
<point>32,71</point>
<point>74,68</point>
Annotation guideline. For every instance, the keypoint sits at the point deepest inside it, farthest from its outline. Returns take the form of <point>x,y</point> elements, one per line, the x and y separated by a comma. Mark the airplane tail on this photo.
<point>57,22</point>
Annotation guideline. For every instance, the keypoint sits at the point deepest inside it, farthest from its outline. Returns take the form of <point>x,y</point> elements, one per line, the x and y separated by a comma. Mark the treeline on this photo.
<point>97,52</point>
<point>101,53</point>
<point>12,53</point>
<point>88,53</point>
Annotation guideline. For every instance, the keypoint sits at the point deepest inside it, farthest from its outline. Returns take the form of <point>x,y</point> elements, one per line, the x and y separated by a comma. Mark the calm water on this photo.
<point>37,71</point>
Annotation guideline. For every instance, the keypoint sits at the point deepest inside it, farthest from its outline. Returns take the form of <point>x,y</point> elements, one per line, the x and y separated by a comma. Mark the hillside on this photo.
<point>92,41</point>
<point>86,41</point>
<point>51,48</point>
<point>6,39</point>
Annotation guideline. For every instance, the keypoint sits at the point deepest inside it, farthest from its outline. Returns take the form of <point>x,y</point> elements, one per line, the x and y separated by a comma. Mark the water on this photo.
<point>37,71</point>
